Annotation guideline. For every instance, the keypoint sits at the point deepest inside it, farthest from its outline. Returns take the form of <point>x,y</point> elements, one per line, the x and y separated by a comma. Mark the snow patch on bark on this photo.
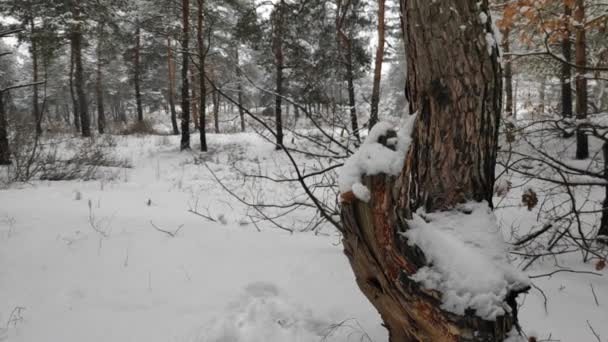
<point>373,158</point>
<point>467,259</point>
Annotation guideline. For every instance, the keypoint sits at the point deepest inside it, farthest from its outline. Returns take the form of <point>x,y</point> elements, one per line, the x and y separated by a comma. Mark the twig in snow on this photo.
<point>594,296</point>
<point>563,270</point>
<point>544,296</point>
<point>202,215</point>
<point>593,331</point>
<point>171,234</point>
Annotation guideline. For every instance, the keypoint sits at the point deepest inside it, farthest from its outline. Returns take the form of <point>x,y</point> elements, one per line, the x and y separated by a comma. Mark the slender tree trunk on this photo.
<point>566,70</point>
<point>185,142</point>
<point>101,116</point>
<point>5,152</point>
<point>72,93</point>
<point>194,98</point>
<point>35,98</point>
<point>350,78</point>
<point>85,121</point>
<point>543,85</point>
<point>171,90</point>
<point>603,231</point>
<point>216,111</point>
<point>450,160</point>
<point>277,47</point>
<point>506,46</point>
<point>239,88</point>
<point>137,74</point>
<point>203,90</point>
<point>378,66</point>
<point>582,145</point>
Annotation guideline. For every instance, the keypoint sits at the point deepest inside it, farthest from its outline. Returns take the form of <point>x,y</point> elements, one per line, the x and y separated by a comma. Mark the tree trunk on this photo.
<point>277,47</point>
<point>541,100</point>
<point>506,46</point>
<point>603,232</point>
<point>202,116</point>
<point>35,102</point>
<point>5,153</point>
<point>194,98</point>
<point>378,66</point>
<point>566,70</point>
<point>72,93</point>
<point>137,73</point>
<point>450,161</point>
<point>239,88</point>
<point>101,116</point>
<point>582,145</point>
<point>185,141</point>
<point>216,111</point>
<point>85,121</point>
<point>171,90</point>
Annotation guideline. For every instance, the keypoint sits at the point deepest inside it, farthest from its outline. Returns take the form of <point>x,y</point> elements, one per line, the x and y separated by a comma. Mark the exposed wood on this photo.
<point>451,160</point>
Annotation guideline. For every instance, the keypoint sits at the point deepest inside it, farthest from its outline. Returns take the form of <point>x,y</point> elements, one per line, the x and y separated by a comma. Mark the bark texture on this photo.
<point>566,70</point>
<point>508,72</point>
<point>101,116</point>
<point>83,113</point>
<point>171,86</point>
<point>201,80</point>
<point>451,160</point>
<point>137,73</point>
<point>279,61</point>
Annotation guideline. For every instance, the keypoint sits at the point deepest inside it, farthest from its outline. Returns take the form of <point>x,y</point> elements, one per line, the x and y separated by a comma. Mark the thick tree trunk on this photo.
<point>35,101</point>
<point>137,73</point>
<point>72,92</point>
<point>506,46</point>
<point>185,141</point>
<point>373,118</point>
<point>277,47</point>
<point>171,86</point>
<point>5,153</point>
<point>101,115</point>
<point>582,144</point>
<point>202,89</point>
<point>566,70</point>
<point>85,121</point>
<point>451,160</point>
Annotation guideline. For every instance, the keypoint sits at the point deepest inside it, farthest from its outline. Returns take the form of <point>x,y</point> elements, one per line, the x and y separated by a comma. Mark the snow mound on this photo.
<point>373,158</point>
<point>263,314</point>
<point>467,259</point>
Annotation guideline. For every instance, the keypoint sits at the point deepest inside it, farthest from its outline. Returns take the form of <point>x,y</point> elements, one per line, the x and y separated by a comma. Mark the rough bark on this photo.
<point>451,160</point>
<point>137,73</point>
<point>582,144</point>
<point>566,70</point>
<point>279,61</point>
<point>5,153</point>
<point>83,113</point>
<point>185,141</point>
<point>171,86</point>
<point>202,116</point>
<point>216,111</point>
<point>375,100</point>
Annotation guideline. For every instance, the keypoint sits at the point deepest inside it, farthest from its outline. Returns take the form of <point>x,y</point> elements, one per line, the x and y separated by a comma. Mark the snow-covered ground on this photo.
<point>85,261</point>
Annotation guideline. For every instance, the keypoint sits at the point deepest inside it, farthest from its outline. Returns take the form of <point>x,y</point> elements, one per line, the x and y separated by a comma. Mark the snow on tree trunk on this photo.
<point>417,223</point>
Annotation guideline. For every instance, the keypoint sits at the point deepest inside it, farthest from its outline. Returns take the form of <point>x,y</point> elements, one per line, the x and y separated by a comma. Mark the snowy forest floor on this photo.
<point>86,261</point>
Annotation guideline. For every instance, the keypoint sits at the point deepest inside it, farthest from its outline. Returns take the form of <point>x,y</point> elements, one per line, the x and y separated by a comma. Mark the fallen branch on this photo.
<point>171,234</point>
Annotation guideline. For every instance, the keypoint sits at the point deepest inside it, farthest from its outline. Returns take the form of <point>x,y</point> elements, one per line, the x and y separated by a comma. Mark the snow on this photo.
<point>467,258</point>
<point>372,158</point>
<point>219,280</point>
